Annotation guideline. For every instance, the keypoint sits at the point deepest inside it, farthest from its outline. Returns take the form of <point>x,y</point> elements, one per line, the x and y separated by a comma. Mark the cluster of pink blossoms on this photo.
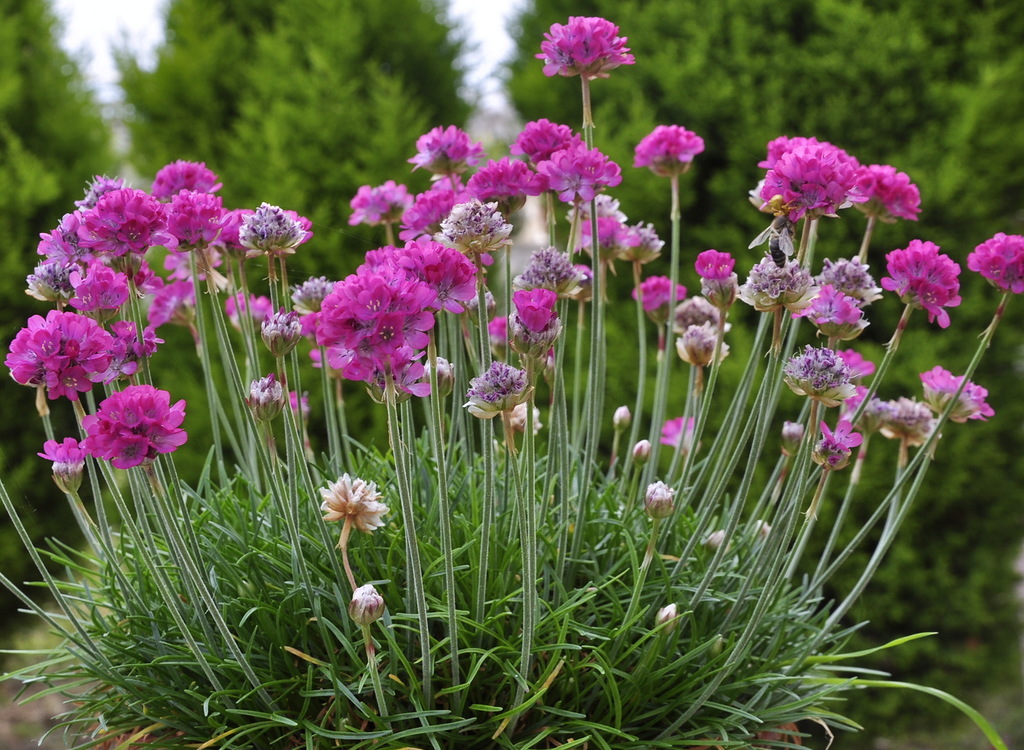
<point>811,178</point>
<point>184,175</point>
<point>134,425</point>
<point>578,174</point>
<point>668,150</point>
<point>1001,261</point>
<point>123,222</point>
<point>940,386</point>
<point>890,194</point>
<point>541,138</point>
<point>383,204</point>
<point>924,277</point>
<point>587,47</point>
<point>446,151</point>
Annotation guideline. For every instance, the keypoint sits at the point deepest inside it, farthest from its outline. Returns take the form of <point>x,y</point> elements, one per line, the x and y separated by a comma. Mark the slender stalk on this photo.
<point>862,256</point>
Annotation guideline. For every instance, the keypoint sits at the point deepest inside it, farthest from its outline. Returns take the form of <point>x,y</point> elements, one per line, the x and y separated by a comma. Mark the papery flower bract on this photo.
<point>769,288</point>
<point>499,389</point>
<point>939,387</point>
<point>125,221</point>
<point>355,499</point>
<point>475,227</point>
<point>68,463</point>
<point>834,314</point>
<point>184,175</point>
<point>586,46</point>
<point>50,282</point>
<point>366,605</point>
<point>659,500</point>
<point>266,398</point>
<point>890,194</point>
<point>506,182</point>
<point>272,230</point>
<point>195,218</point>
<point>923,277</point>
<point>134,425</point>
<point>308,296</point>
<point>834,449</point>
<point>383,204</point>
<point>65,352</point>
<point>908,420</point>
<point>541,138</point>
<point>446,151</point>
<point>100,185</point>
<point>549,268</point>
<point>850,277</point>
<point>668,150</point>
<point>578,173</point>
<point>812,178</point>
<point>1001,261</point>
<point>819,374</point>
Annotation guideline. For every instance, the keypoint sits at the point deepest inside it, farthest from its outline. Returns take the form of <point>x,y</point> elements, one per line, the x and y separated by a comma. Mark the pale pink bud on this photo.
<point>659,501</point>
<point>366,606</point>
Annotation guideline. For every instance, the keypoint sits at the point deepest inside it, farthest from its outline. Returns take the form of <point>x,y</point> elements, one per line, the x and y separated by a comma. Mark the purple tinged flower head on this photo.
<point>585,291</point>
<point>1001,261</point>
<point>655,292</point>
<point>265,399</point>
<point>195,218</point>
<point>99,291</point>
<point>184,175</point>
<point>50,282</point>
<point>890,194</point>
<point>876,414</point>
<point>127,349</point>
<point>587,47</point>
<point>366,605</point>
<point>548,268</point>
<point>444,269</point>
<point>65,352</point>
<point>423,219</point>
<point>816,179</point>
<point>383,204</point>
<point>506,182</point>
<point>834,449</point>
<point>174,303</point>
<point>499,389</point>
<point>541,138</point>
<point>791,437</point>
<point>578,174</point>
<point>606,205</point>
<point>850,277</point>
<point>834,314</point>
<point>718,282</point>
<point>644,244</point>
<point>534,322</point>
<point>819,374</point>
<point>659,500</point>
<point>940,386</point>
<point>309,295</point>
<point>475,227</point>
<point>100,185</point>
<point>769,288</point>
<point>281,331</point>
<point>271,230</point>
<point>68,463</point>
<point>923,277</point>
<point>134,425</point>
<point>908,420</point>
<point>668,150</point>
<point>614,239</point>
<point>678,433</point>
<point>62,244</point>
<point>228,241</point>
<point>859,367</point>
<point>696,311</point>
<point>125,222</point>
<point>696,345</point>
<point>446,151</point>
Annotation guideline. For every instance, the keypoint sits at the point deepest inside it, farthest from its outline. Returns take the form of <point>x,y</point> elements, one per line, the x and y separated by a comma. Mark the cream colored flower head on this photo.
<point>355,499</point>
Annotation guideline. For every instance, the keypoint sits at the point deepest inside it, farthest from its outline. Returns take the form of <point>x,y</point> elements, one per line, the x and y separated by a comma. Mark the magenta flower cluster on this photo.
<point>184,175</point>
<point>446,151</point>
<point>541,138</point>
<point>134,425</point>
<point>924,277</point>
<point>123,222</point>
<point>834,449</point>
<point>890,194</point>
<point>811,178</point>
<point>668,150</point>
<point>578,174</point>
<point>383,204</point>
<point>587,47</point>
<point>1001,261</point>
<point>940,386</point>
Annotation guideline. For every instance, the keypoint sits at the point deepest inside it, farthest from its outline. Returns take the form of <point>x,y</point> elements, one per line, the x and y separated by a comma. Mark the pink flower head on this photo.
<point>678,433</point>
<point>859,367</point>
<point>184,175</point>
<point>784,144</point>
<point>834,449</point>
<point>819,374</point>
<point>834,314</point>
<point>228,240</point>
<point>65,352</point>
<point>195,218</point>
<point>497,333</point>
<point>446,151</point>
<point>714,265</point>
<point>1001,261</point>
<point>127,349</point>
<point>668,150</point>
<point>535,307</point>
<point>541,138</point>
<point>383,204</point>
<point>923,277</point>
<point>940,386</point>
<point>62,243</point>
<point>506,182</point>
<point>444,269</point>
<point>656,292</point>
<point>125,221</point>
<point>812,178</point>
<point>100,184</point>
<point>258,307</point>
<point>68,463</point>
<point>890,194</point>
<point>174,303</point>
<point>579,174</point>
<point>587,47</point>
<point>367,318</point>
<point>99,290</point>
<point>614,238</point>
<point>422,220</point>
<point>134,425</point>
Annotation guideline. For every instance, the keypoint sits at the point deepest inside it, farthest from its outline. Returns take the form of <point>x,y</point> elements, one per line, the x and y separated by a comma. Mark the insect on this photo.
<point>779,233</point>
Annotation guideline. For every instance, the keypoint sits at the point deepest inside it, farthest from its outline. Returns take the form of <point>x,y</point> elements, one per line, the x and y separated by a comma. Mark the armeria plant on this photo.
<point>496,575</point>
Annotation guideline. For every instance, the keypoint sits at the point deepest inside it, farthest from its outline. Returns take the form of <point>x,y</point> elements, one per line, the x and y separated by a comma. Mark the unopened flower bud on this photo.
<point>792,434</point>
<point>667,618</point>
<point>715,539</point>
<point>642,452</point>
<point>445,377</point>
<point>281,331</point>
<point>266,398</point>
<point>659,502</point>
<point>622,418</point>
<point>366,606</point>
<point>763,529</point>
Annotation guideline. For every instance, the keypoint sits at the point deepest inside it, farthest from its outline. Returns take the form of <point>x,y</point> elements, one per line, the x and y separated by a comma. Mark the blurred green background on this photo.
<point>299,103</point>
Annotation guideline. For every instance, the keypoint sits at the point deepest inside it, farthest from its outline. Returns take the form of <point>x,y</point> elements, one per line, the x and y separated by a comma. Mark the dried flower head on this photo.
<point>475,227</point>
<point>354,499</point>
<point>499,389</point>
<point>819,374</point>
<point>769,288</point>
